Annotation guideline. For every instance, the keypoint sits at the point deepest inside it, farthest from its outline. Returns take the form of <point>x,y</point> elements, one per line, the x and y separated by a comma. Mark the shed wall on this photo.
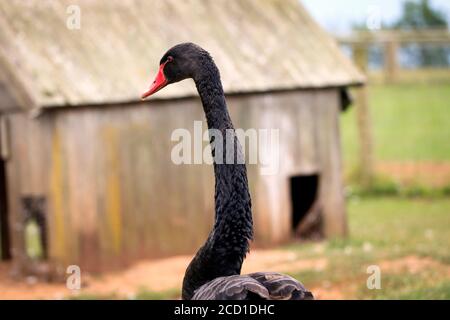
<point>114,195</point>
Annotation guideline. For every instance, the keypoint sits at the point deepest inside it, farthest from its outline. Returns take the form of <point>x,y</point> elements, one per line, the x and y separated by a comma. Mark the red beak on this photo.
<point>159,83</point>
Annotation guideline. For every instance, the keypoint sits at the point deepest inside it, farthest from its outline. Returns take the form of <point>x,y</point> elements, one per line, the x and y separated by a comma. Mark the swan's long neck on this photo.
<point>228,242</point>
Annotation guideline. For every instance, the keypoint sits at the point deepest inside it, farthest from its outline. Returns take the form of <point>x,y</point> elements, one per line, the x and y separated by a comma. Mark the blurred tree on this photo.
<point>419,15</point>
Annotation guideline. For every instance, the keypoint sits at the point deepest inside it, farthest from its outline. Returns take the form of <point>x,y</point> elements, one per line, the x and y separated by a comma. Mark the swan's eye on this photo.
<point>169,59</point>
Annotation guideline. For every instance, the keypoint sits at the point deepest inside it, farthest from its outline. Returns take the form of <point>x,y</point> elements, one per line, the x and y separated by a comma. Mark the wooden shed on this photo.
<point>90,164</point>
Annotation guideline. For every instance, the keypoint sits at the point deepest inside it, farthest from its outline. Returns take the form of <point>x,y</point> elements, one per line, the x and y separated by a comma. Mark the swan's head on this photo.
<point>181,62</point>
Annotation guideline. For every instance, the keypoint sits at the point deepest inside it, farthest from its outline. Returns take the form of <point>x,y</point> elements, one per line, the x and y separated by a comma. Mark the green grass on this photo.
<point>89,296</point>
<point>383,229</point>
<point>402,226</point>
<point>145,294</point>
<point>385,186</point>
<point>408,287</point>
<point>32,240</point>
<point>411,121</point>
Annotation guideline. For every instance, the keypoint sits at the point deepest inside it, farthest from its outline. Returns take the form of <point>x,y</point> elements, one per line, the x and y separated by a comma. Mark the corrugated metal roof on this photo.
<point>258,46</point>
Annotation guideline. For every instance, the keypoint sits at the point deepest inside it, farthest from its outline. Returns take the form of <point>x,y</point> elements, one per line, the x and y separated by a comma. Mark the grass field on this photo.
<point>411,122</point>
<point>407,238</point>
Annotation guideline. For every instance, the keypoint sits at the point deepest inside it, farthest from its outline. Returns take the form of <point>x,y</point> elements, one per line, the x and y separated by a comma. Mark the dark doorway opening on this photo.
<point>4,221</point>
<point>304,190</point>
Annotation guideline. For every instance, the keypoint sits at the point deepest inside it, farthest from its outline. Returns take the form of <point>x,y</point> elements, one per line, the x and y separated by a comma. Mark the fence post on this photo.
<point>364,123</point>
<point>390,60</point>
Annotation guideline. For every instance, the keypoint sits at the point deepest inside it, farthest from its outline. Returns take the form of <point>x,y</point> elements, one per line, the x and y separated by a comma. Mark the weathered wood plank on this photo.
<point>330,184</point>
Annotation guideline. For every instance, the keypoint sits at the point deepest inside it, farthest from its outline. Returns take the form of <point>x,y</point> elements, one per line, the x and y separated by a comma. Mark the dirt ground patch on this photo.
<point>414,265</point>
<point>434,174</point>
<point>327,291</point>
<point>151,275</point>
<point>167,274</point>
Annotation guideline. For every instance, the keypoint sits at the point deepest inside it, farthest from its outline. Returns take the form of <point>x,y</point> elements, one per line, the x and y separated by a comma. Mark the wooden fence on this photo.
<point>391,40</point>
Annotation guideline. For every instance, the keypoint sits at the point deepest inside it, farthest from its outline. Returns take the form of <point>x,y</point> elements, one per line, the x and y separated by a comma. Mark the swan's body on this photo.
<point>214,273</point>
<point>254,286</point>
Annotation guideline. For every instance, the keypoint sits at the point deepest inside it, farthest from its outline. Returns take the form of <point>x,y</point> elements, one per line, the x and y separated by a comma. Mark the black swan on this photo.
<point>214,273</point>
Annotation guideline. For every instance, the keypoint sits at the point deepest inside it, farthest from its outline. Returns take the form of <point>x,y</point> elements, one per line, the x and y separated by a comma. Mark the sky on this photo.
<point>338,15</point>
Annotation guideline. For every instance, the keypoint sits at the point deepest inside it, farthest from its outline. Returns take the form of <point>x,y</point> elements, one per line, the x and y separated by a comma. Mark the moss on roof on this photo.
<point>258,46</point>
